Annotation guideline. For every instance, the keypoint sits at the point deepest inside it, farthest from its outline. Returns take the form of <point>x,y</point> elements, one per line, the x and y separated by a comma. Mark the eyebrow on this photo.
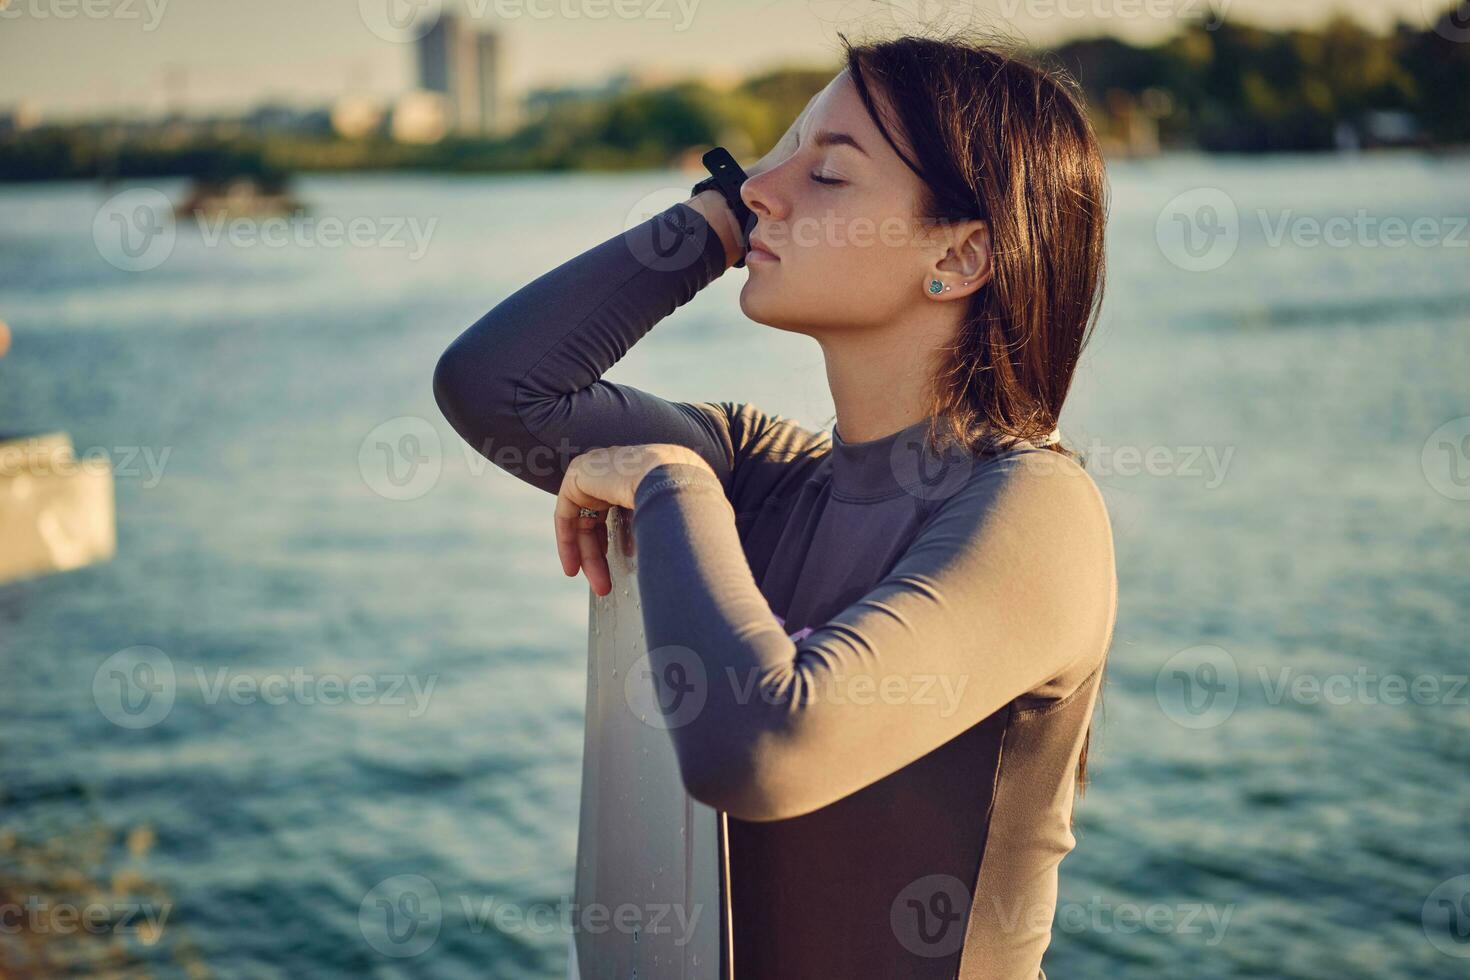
<point>828,138</point>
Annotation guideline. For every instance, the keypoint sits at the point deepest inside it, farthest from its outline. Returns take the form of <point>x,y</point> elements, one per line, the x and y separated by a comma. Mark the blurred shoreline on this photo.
<point>1216,87</point>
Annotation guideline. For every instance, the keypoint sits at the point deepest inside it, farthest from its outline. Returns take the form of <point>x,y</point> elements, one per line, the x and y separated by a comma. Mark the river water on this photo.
<point>1276,406</point>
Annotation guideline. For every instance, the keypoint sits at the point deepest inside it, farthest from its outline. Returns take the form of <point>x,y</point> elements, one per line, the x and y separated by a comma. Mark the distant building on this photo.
<point>437,55</point>
<point>494,110</point>
<point>467,67</point>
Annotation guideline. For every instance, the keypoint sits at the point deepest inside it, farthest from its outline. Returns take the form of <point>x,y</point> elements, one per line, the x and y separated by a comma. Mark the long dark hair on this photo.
<point>998,138</point>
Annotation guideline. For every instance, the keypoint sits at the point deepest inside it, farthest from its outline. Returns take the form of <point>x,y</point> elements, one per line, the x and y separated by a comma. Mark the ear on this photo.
<point>968,263</point>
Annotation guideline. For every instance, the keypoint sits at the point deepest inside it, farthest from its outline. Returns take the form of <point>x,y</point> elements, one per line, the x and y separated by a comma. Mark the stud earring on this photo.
<point>935,286</point>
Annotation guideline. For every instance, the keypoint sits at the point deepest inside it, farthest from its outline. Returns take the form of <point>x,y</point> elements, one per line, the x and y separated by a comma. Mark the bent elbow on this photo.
<point>709,785</point>
<point>449,386</point>
<point>752,788</point>
<point>471,391</point>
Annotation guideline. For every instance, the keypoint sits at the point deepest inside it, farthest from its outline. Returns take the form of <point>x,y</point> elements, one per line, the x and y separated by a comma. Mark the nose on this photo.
<point>758,194</point>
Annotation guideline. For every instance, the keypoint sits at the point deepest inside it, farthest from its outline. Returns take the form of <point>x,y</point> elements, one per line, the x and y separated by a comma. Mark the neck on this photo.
<point>880,378</point>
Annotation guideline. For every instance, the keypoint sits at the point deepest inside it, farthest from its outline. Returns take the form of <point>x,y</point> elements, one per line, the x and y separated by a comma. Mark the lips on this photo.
<point>756,245</point>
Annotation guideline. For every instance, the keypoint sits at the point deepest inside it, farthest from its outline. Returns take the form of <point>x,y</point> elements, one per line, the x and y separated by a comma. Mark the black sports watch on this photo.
<point>726,177</point>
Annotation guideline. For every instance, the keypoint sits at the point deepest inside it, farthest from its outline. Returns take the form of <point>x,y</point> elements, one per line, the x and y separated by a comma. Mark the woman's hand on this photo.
<point>599,479</point>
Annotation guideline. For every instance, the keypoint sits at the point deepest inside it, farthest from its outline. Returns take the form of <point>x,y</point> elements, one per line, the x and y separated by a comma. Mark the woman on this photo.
<point>898,629</point>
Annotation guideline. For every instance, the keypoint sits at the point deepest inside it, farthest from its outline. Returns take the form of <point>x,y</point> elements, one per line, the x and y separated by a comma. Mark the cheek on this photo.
<point>835,276</point>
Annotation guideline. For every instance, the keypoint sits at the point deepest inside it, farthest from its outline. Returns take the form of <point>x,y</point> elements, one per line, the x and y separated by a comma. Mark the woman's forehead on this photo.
<point>840,109</point>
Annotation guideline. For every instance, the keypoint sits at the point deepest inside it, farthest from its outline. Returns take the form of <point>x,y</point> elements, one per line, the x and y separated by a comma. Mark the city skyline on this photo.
<point>151,56</point>
<point>466,65</point>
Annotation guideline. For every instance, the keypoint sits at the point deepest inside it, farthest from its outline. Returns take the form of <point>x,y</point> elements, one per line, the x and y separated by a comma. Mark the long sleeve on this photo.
<point>1007,586</point>
<point>523,384</point>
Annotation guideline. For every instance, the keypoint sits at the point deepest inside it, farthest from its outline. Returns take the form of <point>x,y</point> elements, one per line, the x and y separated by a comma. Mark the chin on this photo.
<point>758,303</point>
<point>770,315</point>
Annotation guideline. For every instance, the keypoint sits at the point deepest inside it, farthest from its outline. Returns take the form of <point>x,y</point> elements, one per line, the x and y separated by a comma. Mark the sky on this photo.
<point>72,58</point>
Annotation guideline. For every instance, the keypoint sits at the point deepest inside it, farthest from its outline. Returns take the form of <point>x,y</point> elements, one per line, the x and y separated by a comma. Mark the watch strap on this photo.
<point>726,176</point>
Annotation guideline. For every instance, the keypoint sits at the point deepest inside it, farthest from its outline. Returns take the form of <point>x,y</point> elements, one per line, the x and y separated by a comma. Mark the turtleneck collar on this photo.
<point>900,463</point>
<point>878,468</point>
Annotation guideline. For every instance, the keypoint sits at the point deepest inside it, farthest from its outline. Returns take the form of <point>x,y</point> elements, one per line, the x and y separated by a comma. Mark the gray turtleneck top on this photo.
<point>879,663</point>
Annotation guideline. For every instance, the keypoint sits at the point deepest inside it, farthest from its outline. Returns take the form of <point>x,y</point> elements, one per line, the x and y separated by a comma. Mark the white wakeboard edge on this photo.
<point>649,893</point>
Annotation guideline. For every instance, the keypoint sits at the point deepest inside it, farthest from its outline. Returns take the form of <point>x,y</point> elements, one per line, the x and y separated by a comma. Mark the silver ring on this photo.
<point>588,512</point>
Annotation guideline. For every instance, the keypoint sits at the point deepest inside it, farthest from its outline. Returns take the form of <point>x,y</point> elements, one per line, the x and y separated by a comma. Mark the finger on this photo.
<point>594,557</point>
<point>602,548</point>
<point>567,523</point>
<point>567,549</point>
<point>581,542</point>
<point>569,534</point>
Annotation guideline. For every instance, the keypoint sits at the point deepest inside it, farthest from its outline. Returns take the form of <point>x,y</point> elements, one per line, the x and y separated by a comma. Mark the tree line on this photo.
<point>1216,86</point>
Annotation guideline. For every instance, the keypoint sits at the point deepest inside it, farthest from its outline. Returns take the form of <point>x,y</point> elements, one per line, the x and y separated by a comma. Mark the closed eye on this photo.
<point>825,180</point>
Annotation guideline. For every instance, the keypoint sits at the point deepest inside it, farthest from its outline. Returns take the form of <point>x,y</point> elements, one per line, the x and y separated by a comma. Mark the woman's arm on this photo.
<point>1009,585</point>
<point>523,384</point>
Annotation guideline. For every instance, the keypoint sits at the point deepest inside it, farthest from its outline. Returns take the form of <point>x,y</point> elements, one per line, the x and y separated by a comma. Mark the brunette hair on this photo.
<point>998,138</point>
